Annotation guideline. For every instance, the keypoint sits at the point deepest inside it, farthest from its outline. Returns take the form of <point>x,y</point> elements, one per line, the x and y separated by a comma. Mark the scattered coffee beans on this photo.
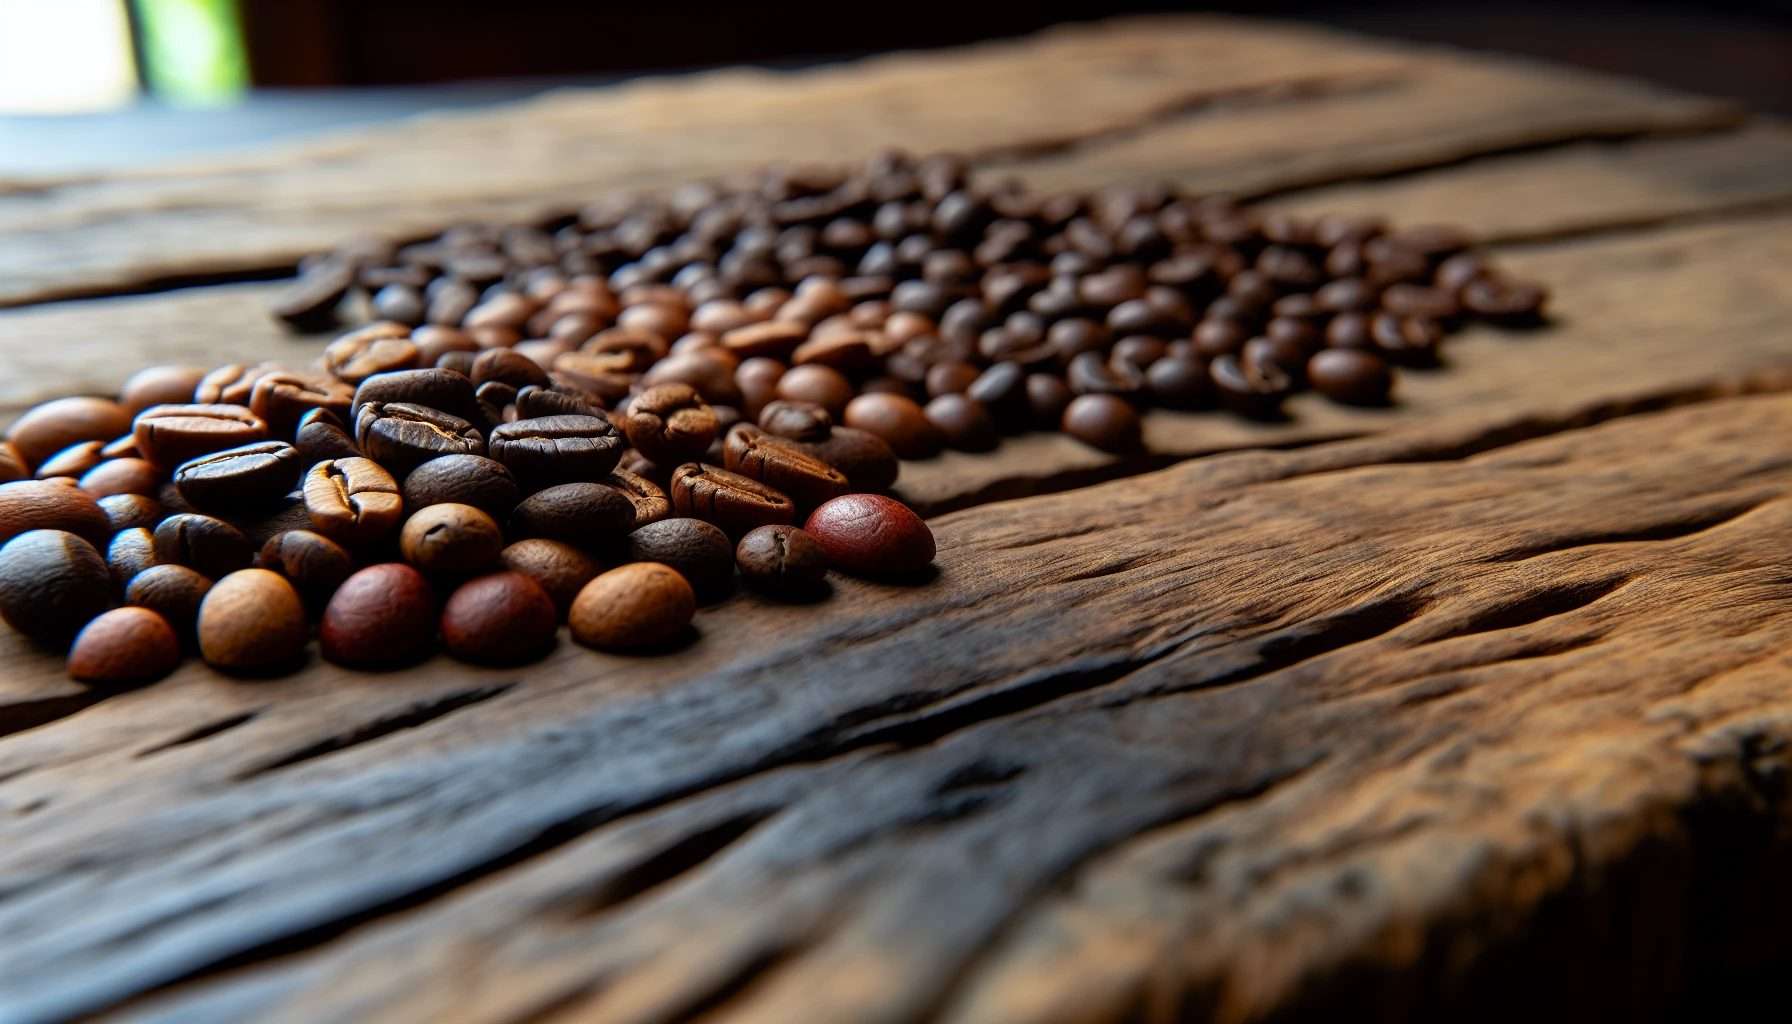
<point>640,605</point>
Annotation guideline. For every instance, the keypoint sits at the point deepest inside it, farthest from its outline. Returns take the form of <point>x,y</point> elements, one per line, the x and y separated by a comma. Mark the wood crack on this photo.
<point>419,714</point>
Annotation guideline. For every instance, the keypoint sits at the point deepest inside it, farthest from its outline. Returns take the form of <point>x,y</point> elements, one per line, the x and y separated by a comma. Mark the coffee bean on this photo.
<point>504,618</point>
<point>46,429</point>
<point>382,616</point>
<point>309,302</point>
<point>871,535</point>
<point>121,476</point>
<point>73,461</point>
<point>1103,421</point>
<point>670,423</point>
<point>536,402</point>
<point>1218,337</point>
<point>641,605</point>
<point>1047,398</point>
<point>1348,375</point>
<point>168,435</point>
<point>782,560</point>
<point>557,567</point>
<point>508,367</point>
<point>796,421</point>
<point>1093,374</point>
<point>865,459</point>
<point>399,303</point>
<point>731,501</point>
<point>698,551</point>
<point>51,505</point>
<point>710,371</point>
<point>473,480</point>
<point>12,464</point>
<point>353,501</point>
<point>51,584</point>
<point>782,465</point>
<point>822,385</point>
<point>159,385</point>
<point>651,502</point>
<point>320,436</point>
<point>1409,340</point>
<point>964,422</point>
<point>1518,304</point>
<point>451,538</point>
<point>172,591</point>
<point>899,421</point>
<point>123,511</point>
<point>376,348</point>
<point>557,449</point>
<point>282,399</point>
<point>1420,300</point>
<point>313,563</point>
<point>1269,357</point>
<point>236,478</point>
<point>434,388</point>
<point>579,513</point>
<point>773,339</point>
<point>232,384</point>
<point>130,552</point>
<point>124,645</point>
<point>251,621</point>
<point>1179,382</point>
<point>401,437</point>
<point>212,546</point>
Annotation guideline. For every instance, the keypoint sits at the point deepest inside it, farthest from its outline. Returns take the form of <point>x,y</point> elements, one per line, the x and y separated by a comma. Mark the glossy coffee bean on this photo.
<point>1179,382</point>
<point>1511,303</point>
<point>46,429</point>
<point>433,388</point>
<point>172,591</point>
<point>782,465</point>
<point>871,535</point>
<point>281,399</point>
<point>401,437</point>
<point>1351,376</point>
<point>507,366</point>
<point>557,449</point>
<point>51,505</point>
<point>51,584</point>
<point>635,606</point>
<point>313,563</point>
<point>159,385</point>
<point>782,560</point>
<point>1002,389</point>
<point>211,546</point>
<point>534,403</point>
<point>698,551</point>
<point>556,566</point>
<point>796,421</point>
<point>379,617</point>
<point>822,385</point>
<point>670,423</point>
<point>1408,340</point>
<point>353,501</point>
<point>731,501</point>
<point>124,645</point>
<point>473,480</point>
<point>504,618</point>
<point>73,461</point>
<point>124,511</point>
<point>12,464</point>
<point>1047,398</point>
<point>966,425</point>
<point>121,476</point>
<point>451,538</point>
<point>581,513</point>
<point>651,502</point>
<point>130,552</point>
<point>252,621</point>
<point>320,435</point>
<point>899,421</point>
<point>866,460</point>
<point>237,478</point>
<point>169,435</point>
<point>1103,421</point>
<point>1255,390</point>
<point>1092,373</point>
<point>377,348</point>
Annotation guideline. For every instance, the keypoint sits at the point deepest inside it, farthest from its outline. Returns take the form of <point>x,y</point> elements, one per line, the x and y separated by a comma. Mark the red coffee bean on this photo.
<point>505,618</point>
<point>382,615</point>
<point>871,535</point>
<point>125,645</point>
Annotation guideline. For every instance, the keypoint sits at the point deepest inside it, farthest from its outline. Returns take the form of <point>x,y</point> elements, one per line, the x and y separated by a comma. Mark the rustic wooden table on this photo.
<point>1479,704</point>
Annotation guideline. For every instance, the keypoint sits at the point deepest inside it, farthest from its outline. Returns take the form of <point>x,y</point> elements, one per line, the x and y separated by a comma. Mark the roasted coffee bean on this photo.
<point>400,303</point>
<point>821,385</point>
<point>252,621</point>
<point>313,563</point>
<point>1002,389</point>
<point>12,464</point>
<point>353,501</point>
<point>51,584</point>
<point>1219,337</point>
<point>1268,357</point>
<point>697,550</point>
<point>1102,420</point>
<point>1256,390</point>
<point>579,513</point>
<point>168,435</point>
<point>473,480</point>
<point>556,566</point>
<point>243,477</point>
<point>537,402</point>
<point>320,436</point>
<point>650,500</point>
<point>1094,374</point>
<point>232,384</point>
<point>504,618</point>
<point>451,538</point>
<point>950,378</point>
<point>1420,300</point>
<point>1349,375</point>
<point>382,616</point>
<point>508,367</point>
<point>212,546</point>
<point>866,459</point>
<point>670,423</point>
<point>1518,304</point>
<point>1409,340</point>
<point>174,592</point>
<point>377,348</point>
<point>710,371</point>
<point>554,449</point>
<point>121,476</point>
<point>51,505</point>
<point>73,461</point>
<point>46,429</point>
<point>731,501</point>
<point>124,511</point>
<point>636,606</point>
<point>288,512</point>
<point>282,399</point>
<point>964,422</point>
<point>130,552</point>
<point>1047,398</point>
<point>121,447</point>
<point>401,437</point>
<point>309,302</point>
<point>159,385</point>
<point>782,560</point>
<point>871,535</point>
<point>435,388</point>
<point>1179,382</point>
<point>796,421</point>
<point>1139,351</point>
<point>899,421</point>
<point>774,339</point>
<point>782,465</point>
<point>124,645</point>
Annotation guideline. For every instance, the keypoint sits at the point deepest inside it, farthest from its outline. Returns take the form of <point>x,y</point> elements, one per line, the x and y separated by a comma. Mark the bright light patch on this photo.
<point>64,56</point>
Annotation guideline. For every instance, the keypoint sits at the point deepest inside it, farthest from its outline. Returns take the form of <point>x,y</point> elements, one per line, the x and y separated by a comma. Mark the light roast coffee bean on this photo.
<point>169,435</point>
<point>121,476</point>
<point>651,502</point>
<point>782,465</point>
<point>636,606</point>
<point>731,501</point>
<point>51,505</point>
<point>451,538</point>
<point>46,429</point>
<point>353,501</point>
<point>252,621</point>
<point>124,645</point>
<point>670,423</point>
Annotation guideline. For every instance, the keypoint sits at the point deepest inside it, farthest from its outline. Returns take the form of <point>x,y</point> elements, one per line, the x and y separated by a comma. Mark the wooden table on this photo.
<point>1477,705</point>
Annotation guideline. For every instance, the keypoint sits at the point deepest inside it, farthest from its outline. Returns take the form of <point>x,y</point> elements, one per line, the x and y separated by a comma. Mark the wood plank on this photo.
<point>1288,711</point>
<point>1244,106</point>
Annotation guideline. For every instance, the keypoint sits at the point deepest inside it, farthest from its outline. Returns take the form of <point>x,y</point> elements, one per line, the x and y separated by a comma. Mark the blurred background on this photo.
<point>91,84</point>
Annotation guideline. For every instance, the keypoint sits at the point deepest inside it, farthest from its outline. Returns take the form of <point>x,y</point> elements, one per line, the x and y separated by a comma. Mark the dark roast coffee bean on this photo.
<point>871,535</point>
<point>313,563</point>
<point>124,645</point>
<point>1420,300</point>
<point>252,621</point>
<point>1103,421</point>
<point>731,501</point>
<point>822,385</point>
<point>51,505</point>
<point>796,421</point>
<point>554,449</point>
<point>123,511</point>
<point>320,435</point>
<point>250,475</point>
<point>1350,375</point>
<point>51,584</point>
<point>169,435</point>
<point>52,426</point>
<point>1349,330</point>
<point>1139,351</point>
<point>1217,337</point>
<point>402,437</point>
<point>781,464</point>
<point>282,399</point>
<point>504,618</point>
<point>130,552</point>
<point>211,546</point>
<point>900,421</point>
<point>1505,302</point>
<point>1047,397</point>
<point>700,552</point>
<point>399,303</point>
<point>1268,357</point>
<point>964,422</point>
<point>579,513</point>
<point>670,423</point>
<point>1002,389</point>
<point>556,566</point>
<point>508,367</point>
<point>640,605</point>
<point>867,460</point>
<point>174,592</point>
<point>380,617</point>
<point>537,402</point>
<point>1092,373</point>
<point>435,388</point>
<point>309,302</point>
<point>1256,390</point>
<point>376,348</point>
<point>451,538</point>
<point>1179,382</point>
<point>473,480</point>
<point>353,501</point>
<point>1409,340</point>
<point>782,560</point>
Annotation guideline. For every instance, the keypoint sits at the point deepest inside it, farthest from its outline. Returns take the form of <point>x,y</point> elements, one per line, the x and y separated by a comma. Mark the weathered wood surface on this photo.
<point>1474,706</point>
